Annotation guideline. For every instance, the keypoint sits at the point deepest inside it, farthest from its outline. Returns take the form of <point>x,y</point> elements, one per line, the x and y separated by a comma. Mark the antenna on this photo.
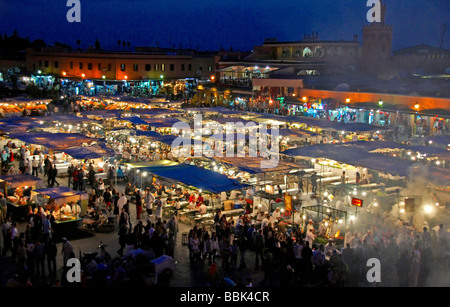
<point>443,30</point>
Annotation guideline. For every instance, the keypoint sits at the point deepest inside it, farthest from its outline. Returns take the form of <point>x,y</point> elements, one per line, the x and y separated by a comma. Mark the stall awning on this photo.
<point>17,124</point>
<point>62,194</point>
<point>197,177</point>
<point>90,152</point>
<point>382,145</point>
<point>165,122</point>
<point>55,141</point>
<point>354,156</point>
<point>20,180</point>
<point>252,165</point>
<point>293,133</point>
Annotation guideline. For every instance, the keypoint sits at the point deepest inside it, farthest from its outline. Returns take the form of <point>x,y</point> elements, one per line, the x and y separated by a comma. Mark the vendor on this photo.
<point>76,209</point>
<point>66,209</point>
<point>202,208</point>
<point>309,226</point>
<point>276,214</point>
<point>57,212</point>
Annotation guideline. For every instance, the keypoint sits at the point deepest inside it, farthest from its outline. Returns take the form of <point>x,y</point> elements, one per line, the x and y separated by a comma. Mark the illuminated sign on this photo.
<point>357,202</point>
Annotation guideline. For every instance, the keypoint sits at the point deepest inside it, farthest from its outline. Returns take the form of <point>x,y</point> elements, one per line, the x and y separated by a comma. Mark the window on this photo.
<point>109,67</point>
<point>148,67</point>
<point>56,64</point>
<point>71,65</point>
<point>209,68</point>
<point>135,67</point>
<point>99,66</point>
<point>172,67</point>
<point>122,67</point>
<point>81,65</point>
<point>163,67</point>
<point>189,67</point>
<point>182,67</point>
<point>156,67</point>
<point>89,66</point>
<point>46,63</point>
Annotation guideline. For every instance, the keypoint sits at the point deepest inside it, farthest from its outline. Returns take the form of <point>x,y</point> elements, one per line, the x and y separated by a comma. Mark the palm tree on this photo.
<point>124,43</point>
<point>78,43</point>
<point>128,45</point>
<point>119,42</point>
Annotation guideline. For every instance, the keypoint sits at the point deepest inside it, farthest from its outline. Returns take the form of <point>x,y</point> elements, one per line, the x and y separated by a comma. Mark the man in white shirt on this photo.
<point>202,209</point>
<point>66,209</point>
<point>76,209</point>
<point>310,236</point>
<point>122,201</point>
<point>266,221</point>
<point>276,214</point>
<point>35,165</point>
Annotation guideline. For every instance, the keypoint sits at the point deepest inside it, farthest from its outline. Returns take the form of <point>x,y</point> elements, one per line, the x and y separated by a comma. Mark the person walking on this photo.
<point>314,182</point>
<point>307,254</point>
<point>268,267</point>
<point>39,250</point>
<point>69,173</point>
<point>138,204</point>
<point>243,246</point>
<point>259,248</point>
<point>53,173</point>
<point>81,185</point>
<point>149,199</point>
<point>35,165</point>
<point>66,250</point>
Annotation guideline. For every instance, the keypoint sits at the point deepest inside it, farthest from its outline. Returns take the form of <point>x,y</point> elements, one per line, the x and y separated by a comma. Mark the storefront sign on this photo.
<point>288,202</point>
<point>357,202</point>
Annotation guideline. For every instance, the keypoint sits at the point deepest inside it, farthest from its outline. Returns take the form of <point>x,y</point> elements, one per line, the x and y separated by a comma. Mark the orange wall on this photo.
<point>424,103</point>
<point>64,61</point>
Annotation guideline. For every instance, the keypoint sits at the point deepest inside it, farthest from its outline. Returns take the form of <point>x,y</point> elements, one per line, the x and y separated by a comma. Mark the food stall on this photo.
<point>59,200</point>
<point>330,223</point>
<point>18,190</point>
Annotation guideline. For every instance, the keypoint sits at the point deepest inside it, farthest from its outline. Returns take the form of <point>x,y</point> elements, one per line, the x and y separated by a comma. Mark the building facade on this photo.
<point>119,66</point>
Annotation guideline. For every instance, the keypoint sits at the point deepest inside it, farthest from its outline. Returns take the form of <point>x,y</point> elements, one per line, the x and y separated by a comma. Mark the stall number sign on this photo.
<point>357,202</point>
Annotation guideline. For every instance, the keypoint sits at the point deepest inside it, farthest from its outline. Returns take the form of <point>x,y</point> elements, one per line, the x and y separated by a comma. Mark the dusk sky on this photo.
<point>210,24</point>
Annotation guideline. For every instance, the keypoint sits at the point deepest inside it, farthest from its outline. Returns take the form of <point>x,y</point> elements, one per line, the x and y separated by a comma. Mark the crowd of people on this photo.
<point>293,257</point>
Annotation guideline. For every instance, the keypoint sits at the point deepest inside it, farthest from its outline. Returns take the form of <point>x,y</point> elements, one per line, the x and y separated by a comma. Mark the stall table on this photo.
<point>66,228</point>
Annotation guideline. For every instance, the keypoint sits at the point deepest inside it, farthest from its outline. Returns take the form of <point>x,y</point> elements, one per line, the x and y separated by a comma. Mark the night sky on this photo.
<point>211,24</point>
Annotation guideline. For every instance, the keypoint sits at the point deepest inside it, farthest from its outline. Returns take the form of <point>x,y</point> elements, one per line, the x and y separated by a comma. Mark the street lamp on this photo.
<point>380,102</point>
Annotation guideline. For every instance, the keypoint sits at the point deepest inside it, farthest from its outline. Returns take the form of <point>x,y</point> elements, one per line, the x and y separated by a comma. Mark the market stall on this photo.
<point>67,206</point>
<point>195,180</point>
<point>18,190</point>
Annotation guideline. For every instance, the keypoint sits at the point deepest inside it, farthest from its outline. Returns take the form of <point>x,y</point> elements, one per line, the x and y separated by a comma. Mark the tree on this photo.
<point>38,44</point>
<point>128,45</point>
<point>124,43</point>
<point>97,45</point>
<point>119,42</point>
<point>78,43</point>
